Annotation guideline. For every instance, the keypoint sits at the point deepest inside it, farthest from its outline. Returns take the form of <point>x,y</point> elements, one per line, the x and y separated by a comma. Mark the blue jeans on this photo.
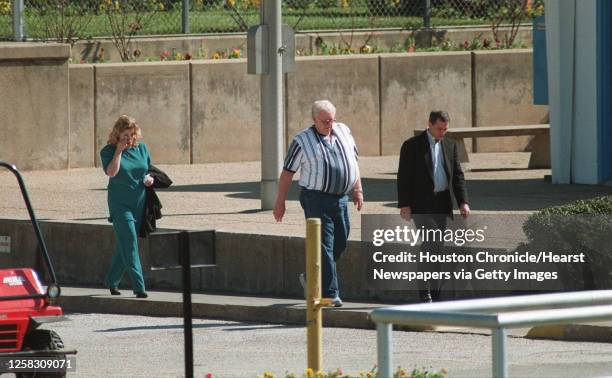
<point>335,226</point>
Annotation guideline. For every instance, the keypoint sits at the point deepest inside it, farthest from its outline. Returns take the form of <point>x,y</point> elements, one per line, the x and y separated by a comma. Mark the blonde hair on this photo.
<point>125,122</point>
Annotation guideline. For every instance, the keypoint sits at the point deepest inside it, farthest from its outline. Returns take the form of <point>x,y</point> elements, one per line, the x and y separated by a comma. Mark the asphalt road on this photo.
<point>138,346</point>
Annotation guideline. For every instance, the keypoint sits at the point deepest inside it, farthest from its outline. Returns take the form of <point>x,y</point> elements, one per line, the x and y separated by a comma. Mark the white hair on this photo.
<point>321,105</point>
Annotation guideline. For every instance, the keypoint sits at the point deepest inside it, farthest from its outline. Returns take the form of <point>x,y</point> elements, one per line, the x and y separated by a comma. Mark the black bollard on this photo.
<point>187,315</point>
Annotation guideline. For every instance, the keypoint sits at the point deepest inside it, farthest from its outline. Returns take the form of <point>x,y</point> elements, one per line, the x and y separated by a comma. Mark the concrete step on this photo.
<point>233,307</point>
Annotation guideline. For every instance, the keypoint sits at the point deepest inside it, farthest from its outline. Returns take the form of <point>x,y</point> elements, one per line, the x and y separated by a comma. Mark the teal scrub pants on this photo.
<point>126,255</point>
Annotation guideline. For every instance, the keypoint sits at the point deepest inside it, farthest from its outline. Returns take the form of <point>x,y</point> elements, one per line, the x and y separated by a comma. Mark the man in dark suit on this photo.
<point>429,173</point>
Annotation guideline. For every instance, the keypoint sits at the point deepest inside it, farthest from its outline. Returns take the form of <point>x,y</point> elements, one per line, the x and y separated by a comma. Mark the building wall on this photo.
<point>572,64</point>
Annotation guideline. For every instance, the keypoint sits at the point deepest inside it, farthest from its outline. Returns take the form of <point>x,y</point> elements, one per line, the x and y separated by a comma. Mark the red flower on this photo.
<point>208,375</point>
<point>188,57</point>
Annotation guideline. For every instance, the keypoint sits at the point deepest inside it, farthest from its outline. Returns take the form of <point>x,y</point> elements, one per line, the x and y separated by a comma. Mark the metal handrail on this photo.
<point>497,314</point>
<point>39,237</point>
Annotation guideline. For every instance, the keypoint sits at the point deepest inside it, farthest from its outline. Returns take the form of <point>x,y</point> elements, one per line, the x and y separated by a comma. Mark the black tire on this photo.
<point>42,340</point>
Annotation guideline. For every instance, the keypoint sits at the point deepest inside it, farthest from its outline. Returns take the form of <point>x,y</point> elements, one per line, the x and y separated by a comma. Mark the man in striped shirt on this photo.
<point>326,155</point>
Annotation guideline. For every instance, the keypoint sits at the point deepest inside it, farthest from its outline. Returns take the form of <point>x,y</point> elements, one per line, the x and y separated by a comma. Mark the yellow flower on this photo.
<point>366,49</point>
<point>309,373</point>
<point>161,7</point>
<point>216,56</point>
<point>267,374</point>
<point>230,3</point>
<point>444,371</point>
<point>117,5</point>
<point>345,3</point>
<point>321,374</point>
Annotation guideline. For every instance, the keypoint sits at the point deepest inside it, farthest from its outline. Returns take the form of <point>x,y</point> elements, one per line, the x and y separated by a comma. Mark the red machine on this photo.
<point>25,304</point>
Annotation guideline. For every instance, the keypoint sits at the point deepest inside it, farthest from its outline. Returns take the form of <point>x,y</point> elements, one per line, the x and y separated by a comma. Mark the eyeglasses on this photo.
<point>331,120</point>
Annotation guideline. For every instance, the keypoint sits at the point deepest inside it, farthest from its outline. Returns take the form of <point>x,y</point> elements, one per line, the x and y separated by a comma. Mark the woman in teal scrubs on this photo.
<point>126,161</point>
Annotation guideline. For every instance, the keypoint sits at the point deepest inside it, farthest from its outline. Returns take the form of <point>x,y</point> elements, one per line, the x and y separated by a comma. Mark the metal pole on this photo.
<point>500,365</point>
<point>18,30</point>
<point>314,317</point>
<point>271,106</point>
<point>185,27</point>
<point>384,345</point>
<point>426,13</point>
<point>187,316</point>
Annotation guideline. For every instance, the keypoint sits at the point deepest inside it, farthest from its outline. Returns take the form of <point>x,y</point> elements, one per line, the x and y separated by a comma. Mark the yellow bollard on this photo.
<point>314,302</point>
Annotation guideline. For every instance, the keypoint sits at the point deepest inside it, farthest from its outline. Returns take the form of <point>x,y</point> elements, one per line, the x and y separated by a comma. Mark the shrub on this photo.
<point>580,226</point>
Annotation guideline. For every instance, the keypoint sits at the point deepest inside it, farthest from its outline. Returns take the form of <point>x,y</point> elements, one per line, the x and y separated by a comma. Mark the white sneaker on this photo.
<point>337,302</point>
<point>302,278</point>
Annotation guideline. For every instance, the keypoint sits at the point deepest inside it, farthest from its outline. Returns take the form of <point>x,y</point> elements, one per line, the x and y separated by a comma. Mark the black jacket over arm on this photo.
<point>415,183</point>
<point>153,206</point>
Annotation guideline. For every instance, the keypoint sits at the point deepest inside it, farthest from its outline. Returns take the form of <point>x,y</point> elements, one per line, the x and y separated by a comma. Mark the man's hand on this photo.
<point>279,211</point>
<point>358,199</point>
<point>406,213</point>
<point>464,209</point>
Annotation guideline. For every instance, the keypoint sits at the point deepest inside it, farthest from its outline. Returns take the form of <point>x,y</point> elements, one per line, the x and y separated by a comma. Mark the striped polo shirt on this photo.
<point>330,167</point>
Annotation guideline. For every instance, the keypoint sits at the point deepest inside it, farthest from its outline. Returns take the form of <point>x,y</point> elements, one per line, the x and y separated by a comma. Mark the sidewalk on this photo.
<point>226,196</point>
<point>287,311</point>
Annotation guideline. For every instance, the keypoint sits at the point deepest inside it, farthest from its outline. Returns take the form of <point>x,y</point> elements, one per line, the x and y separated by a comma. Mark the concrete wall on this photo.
<point>35,108</point>
<point>225,112</point>
<point>351,83</point>
<point>413,85</point>
<point>305,42</point>
<point>157,95</point>
<point>208,111</point>
<point>82,139</point>
<point>245,263</point>
<point>199,47</point>
<point>503,82</point>
<point>252,264</point>
<point>382,98</point>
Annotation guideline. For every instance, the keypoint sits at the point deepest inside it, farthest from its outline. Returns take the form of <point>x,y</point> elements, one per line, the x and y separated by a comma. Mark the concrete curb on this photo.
<point>284,313</point>
<point>572,332</point>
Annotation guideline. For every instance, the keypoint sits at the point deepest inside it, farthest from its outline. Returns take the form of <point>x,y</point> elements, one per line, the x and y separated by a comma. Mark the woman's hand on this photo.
<point>122,145</point>
<point>148,180</point>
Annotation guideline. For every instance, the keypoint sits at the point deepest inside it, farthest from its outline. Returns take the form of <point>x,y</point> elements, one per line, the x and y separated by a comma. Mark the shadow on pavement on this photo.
<point>491,195</point>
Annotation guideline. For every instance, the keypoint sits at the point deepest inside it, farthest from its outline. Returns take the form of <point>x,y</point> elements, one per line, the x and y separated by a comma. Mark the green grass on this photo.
<point>220,20</point>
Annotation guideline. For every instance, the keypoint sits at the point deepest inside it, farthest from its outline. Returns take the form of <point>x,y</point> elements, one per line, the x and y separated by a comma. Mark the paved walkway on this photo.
<point>226,196</point>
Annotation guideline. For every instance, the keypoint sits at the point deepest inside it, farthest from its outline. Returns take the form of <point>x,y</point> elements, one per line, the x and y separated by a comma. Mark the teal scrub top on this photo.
<point>126,191</point>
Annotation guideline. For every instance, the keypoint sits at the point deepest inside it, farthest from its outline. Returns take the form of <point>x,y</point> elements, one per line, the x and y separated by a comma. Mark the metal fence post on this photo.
<point>18,29</point>
<point>426,13</point>
<point>500,364</point>
<point>272,118</point>
<point>185,27</point>
<point>384,347</point>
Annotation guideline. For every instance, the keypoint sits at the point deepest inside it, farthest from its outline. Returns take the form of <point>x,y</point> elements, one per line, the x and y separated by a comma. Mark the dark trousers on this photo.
<point>333,212</point>
<point>433,219</point>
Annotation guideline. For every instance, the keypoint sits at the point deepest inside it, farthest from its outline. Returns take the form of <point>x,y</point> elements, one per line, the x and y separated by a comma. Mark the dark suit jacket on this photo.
<point>415,183</point>
<point>153,206</point>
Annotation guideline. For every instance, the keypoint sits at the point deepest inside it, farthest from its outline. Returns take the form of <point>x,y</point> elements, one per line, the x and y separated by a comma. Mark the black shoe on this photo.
<point>425,296</point>
<point>142,295</point>
<point>114,291</point>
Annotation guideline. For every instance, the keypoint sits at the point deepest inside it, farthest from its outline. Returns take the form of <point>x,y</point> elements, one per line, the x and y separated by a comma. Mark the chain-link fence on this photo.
<point>68,20</point>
